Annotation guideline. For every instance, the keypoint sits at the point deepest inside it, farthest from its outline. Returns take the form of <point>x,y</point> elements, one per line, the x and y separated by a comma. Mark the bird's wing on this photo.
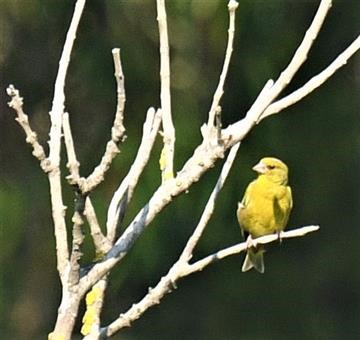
<point>247,195</point>
<point>288,199</point>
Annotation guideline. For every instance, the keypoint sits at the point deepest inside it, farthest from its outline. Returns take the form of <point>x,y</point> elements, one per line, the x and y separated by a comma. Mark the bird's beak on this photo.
<point>260,168</point>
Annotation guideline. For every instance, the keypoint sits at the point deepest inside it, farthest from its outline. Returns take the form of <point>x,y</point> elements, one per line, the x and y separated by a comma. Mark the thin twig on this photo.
<point>59,94</point>
<point>117,131</point>
<point>16,103</point>
<point>102,244</point>
<point>123,194</point>
<point>167,164</point>
<point>232,6</point>
<point>72,164</point>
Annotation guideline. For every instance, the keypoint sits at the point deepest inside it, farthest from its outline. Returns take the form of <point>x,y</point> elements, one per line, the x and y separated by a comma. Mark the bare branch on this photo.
<point>209,208</point>
<point>72,164</point>
<point>59,95</point>
<point>239,130</point>
<point>117,131</point>
<point>102,244</point>
<point>179,270</point>
<point>302,51</point>
<point>232,6</point>
<point>65,320</point>
<point>16,103</point>
<point>78,237</point>
<point>238,248</point>
<point>314,82</point>
<point>123,194</point>
<point>297,60</point>
<point>167,159</point>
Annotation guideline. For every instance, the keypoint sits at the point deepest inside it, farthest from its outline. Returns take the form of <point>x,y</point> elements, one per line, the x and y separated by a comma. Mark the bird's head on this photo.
<point>273,169</point>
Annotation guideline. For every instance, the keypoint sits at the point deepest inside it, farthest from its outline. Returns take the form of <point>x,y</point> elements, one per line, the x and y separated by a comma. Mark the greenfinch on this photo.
<point>265,208</point>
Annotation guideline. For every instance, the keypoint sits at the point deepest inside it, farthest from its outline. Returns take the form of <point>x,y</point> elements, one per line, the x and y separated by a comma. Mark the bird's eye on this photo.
<point>271,167</point>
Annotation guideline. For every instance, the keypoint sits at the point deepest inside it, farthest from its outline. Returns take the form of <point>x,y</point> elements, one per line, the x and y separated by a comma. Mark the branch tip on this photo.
<point>233,5</point>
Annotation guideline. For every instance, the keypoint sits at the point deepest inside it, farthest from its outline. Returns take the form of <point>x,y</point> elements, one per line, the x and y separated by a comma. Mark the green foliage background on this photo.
<point>310,289</point>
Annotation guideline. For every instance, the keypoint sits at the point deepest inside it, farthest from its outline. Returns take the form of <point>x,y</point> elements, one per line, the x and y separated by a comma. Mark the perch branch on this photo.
<point>167,282</point>
<point>232,6</point>
<point>238,248</point>
<point>167,155</point>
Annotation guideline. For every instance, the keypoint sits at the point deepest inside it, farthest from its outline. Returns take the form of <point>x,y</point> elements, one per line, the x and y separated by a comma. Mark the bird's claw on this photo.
<point>279,234</point>
<point>249,242</point>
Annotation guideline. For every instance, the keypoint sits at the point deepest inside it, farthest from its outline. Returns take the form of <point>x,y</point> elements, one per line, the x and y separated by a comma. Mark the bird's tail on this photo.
<point>254,259</point>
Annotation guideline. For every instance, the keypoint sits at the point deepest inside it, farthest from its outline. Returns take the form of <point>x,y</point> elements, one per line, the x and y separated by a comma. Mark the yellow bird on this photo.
<point>265,208</point>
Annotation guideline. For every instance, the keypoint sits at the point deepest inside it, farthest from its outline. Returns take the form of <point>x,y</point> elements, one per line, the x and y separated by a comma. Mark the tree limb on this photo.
<point>123,194</point>
<point>232,6</point>
<point>167,155</point>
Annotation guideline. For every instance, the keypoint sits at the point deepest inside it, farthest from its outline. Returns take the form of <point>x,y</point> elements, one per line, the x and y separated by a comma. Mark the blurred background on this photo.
<point>310,289</point>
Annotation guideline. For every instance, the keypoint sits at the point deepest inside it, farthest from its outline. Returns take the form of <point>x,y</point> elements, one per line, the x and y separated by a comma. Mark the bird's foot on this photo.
<point>250,242</point>
<point>279,234</point>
